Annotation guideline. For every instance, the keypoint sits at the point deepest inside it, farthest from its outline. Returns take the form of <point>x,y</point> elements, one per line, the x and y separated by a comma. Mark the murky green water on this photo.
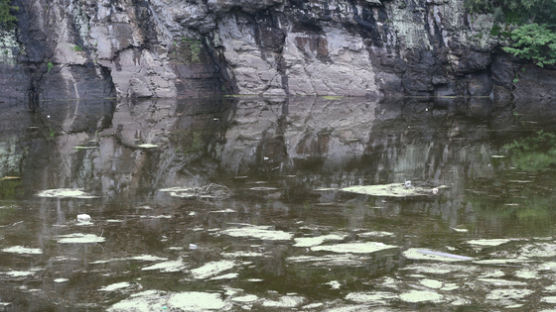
<point>255,218</point>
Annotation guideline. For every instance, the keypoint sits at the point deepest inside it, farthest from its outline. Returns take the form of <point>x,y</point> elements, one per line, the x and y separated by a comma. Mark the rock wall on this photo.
<point>170,48</point>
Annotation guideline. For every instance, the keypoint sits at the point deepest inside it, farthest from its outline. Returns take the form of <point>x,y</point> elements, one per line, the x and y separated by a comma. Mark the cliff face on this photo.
<point>168,48</point>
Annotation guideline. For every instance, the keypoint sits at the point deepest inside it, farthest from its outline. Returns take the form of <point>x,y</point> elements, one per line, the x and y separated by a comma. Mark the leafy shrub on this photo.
<point>534,35</point>
<point>7,19</point>
<point>534,42</point>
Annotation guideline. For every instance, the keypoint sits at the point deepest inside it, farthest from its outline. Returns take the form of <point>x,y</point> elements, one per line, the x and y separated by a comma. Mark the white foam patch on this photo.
<point>388,190</point>
<point>245,299</point>
<point>433,255</point>
<point>334,284</point>
<point>147,146</point>
<point>263,188</point>
<point>377,297</point>
<point>284,302</point>
<point>146,258</point>
<point>22,250</point>
<point>60,280</point>
<point>330,260</point>
<point>16,274</point>
<point>415,296</point>
<point>154,300</point>
<point>507,295</point>
<point>212,269</point>
<point>225,277</point>
<point>527,274</point>
<point>114,221</point>
<point>315,241</point>
<point>540,250</point>
<point>376,234</point>
<point>156,217</point>
<point>167,266</point>
<point>551,299</point>
<point>350,308</point>
<point>80,238</point>
<point>242,254</point>
<point>356,247</point>
<point>65,193</point>
<point>489,242</point>
<point>430,283</point>
<point>115,286</point>
<point>501,282</point>
<point>223,211</point>
<point>259,232</point>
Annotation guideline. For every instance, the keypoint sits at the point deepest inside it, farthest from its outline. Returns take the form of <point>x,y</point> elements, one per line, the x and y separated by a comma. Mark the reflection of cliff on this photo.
<point>334,141</point>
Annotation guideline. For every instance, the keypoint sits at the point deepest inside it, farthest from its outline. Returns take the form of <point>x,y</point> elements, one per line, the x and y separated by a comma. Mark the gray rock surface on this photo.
<point>169,48</point>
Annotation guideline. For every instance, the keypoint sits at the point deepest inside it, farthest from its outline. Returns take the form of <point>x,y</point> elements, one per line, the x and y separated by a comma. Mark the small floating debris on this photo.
<point>193,247</point>
<point>259,232</point>
<point>497,156</point>
<point>390,190</point>
<point>433,255</point>
<point>10,178</point>
<point>115,286</point>
<point>315,241</point>
<point>416,296</point>
<point>22,250</point>
<point>167,266</point>
<point>80,238</point>
<point>356,247</point>
<point>284,302</point>
<point>65,193</point>
<point>17,274</point>
<point>255,280</point>
<point>60,280</point>
<point>212,269</point>
<point>147,146</point>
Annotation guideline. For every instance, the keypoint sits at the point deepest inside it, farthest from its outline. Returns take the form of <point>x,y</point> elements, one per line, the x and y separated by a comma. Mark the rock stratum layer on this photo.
<point>169,48</point>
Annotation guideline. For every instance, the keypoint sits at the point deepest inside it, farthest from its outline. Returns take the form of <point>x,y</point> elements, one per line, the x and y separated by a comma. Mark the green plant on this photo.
<point>194,49</point>
<point>77,48</point>
<point>534,153</point>
<point>532,24</point>
<point>534,42</point>
<point>7,19</point>
<point>49,66</point>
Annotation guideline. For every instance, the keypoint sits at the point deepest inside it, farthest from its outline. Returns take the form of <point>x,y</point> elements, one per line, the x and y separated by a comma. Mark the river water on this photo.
<point>236,204</point>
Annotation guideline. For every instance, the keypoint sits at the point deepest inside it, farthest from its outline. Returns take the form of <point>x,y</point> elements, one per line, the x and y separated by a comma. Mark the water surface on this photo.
<point>235,204</point>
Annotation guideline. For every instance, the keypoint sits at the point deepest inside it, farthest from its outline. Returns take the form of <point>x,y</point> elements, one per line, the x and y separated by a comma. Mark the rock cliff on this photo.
<point>169,48</point>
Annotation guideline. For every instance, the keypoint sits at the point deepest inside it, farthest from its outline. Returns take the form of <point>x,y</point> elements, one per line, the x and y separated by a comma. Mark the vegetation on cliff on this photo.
<point>7,19</point>
<point>532,31</point>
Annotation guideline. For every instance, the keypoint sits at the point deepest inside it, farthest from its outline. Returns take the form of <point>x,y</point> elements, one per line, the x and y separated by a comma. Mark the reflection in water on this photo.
<point>237,200</point>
